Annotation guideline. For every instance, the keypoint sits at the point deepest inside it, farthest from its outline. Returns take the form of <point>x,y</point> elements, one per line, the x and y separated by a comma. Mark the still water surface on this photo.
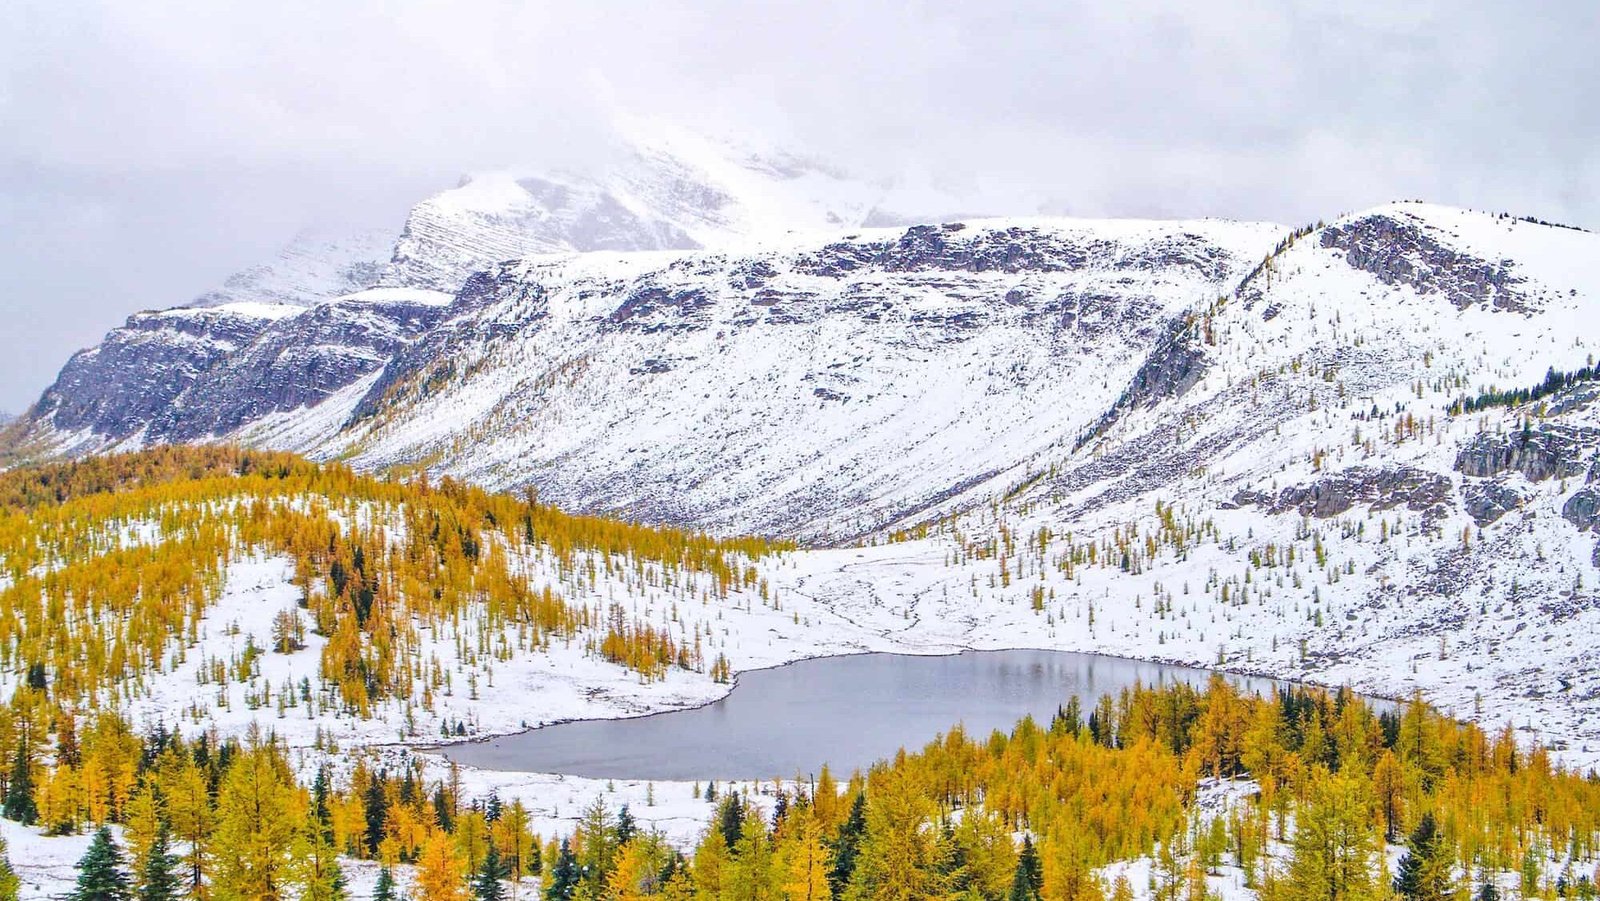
<point>844,711</point>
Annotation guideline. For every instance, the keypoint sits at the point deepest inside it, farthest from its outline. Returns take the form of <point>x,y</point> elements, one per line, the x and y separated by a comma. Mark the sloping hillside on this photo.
<point>1286,489</point>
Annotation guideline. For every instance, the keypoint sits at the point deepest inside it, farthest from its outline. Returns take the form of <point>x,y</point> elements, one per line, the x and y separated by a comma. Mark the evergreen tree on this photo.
<point>100,874</point>
<point>730,820</point>
<point>319,795</point>
<point>846,846</point>
<point>158,872</point>
<point>1424,872</point>
<point>626,827</point>
<point>564,876</point>
<point>375,806</point>
<point>486,884</point>
<point>443,810</point>
<point>1028,881</point>
<point>780,809</point>
<point>384,890</point>
<point>1488,892</point>
<point>19,804</point>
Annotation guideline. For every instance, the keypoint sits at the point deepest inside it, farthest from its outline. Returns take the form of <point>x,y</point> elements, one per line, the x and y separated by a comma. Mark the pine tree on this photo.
<point>1028,881</point>
<point>806,865</point>
<point>19,804</point>
<point>564,875</point>
<point>375,806</point>
<point>730,820</point>
<point>1333,845</point>
<point>847,844</point>
<point>626,826</point>
<point>486,885</point>
<point>314,863</point>
<point>896,855</point>
<point>1424,872</point>
<point>158,872</point>
<point>384,890</point>
<point>100,873</point>
<point>256,826</point>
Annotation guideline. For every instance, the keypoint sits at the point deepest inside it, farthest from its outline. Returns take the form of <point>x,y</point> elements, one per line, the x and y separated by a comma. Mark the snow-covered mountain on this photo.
<point>818,388</point>
<point>175,374</point>
<point>661,189</point>
<point>316,265</point>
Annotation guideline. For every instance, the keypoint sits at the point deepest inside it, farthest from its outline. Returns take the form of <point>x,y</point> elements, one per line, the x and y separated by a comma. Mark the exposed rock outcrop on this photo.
<point>1380,489</point>
<point>1399,250</point>
<point>1487,501</point>
<point>1550,451</point>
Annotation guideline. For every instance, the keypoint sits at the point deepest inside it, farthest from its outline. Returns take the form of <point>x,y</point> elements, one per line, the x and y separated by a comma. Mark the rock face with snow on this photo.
<point>818,388</point>
<point>300,361</point>
<point>201,372</point>
<point>114,390</point>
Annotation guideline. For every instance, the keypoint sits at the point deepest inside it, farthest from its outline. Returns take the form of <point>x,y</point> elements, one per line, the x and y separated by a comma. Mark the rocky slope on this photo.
<point>195,373</point>
<point>818,388</point>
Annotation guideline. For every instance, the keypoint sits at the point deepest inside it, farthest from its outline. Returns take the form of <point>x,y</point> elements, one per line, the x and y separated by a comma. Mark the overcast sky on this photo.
<point>149,149</point>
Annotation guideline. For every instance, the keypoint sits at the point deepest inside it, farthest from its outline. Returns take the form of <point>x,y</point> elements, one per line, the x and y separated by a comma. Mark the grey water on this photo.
<point>847,712</point>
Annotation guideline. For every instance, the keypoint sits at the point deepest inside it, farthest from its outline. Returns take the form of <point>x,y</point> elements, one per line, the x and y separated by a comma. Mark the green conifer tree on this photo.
<point>100,873</point>
<point>10,885</point>
<point>486,884</point>
<point>564,876</point>
<point>19,804</point>
<point>847,844</point>
<point>1028,881</point>
<point>384,890</point>
<point>158,872</point>
<point>1424,871</point>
